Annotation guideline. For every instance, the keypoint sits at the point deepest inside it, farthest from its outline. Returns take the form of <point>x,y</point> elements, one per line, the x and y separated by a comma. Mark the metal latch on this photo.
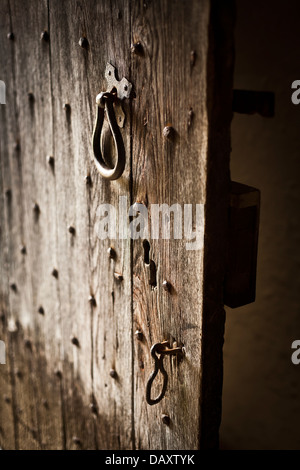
<point>240,279</point>
<point>158,352</point>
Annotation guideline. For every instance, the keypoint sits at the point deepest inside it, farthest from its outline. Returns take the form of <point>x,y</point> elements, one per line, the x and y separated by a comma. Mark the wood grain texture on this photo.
<point>59,389</point>
<point>9,437</point>
<point>85,269</point>
<point>32,75</point>
<point>169,170</point>
<point>28,71</point>
<point>176,81</point>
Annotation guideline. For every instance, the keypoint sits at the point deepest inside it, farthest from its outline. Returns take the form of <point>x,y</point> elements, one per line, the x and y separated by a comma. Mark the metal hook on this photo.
<point>162,349</point>
<point>117,91</point>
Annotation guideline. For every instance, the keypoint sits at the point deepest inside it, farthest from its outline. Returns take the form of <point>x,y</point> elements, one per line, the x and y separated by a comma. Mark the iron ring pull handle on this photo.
<point>105,102</point>
<point>162,349</point>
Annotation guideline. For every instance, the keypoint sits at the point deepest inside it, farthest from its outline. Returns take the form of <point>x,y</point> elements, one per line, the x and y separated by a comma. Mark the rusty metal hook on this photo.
<point>162,349</point>
<point>105,102</point>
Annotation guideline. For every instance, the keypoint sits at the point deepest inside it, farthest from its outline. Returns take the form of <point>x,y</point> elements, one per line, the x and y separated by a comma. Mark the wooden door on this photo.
<point>78,319</point>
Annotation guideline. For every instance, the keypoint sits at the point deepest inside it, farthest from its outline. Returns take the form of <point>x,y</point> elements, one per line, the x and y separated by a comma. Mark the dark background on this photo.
<point>261,401</point>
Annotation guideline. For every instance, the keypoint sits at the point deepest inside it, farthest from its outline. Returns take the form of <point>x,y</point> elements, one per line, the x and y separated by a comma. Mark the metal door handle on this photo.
<point>109,103</point>
<point>105,102</point>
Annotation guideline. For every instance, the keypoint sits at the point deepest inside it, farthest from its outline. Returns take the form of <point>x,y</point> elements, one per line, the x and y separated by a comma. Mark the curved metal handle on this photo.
<point>105,102</point>
<point>158,367</point>
<point>164,350</point>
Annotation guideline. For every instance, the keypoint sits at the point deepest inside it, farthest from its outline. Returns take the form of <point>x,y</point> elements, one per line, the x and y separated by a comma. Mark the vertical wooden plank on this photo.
<point>32,233</point>
<point>112,328</point>
<point>14,224</point>
<point>170,80</point>
<point>68,88</point>
<point>33,90</point>
<point>8,429</point>
<point>173,86</point>
<point>84,267</point>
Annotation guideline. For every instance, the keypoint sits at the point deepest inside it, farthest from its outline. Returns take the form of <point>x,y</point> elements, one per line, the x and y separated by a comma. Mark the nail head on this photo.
<point>13,287</point>
<point>27,343</point>
<point>167,286</point>
<point>75,341</point>
<point>45,36</point>
<point>83,42</point>
<point>111,253</point>
<point>23,249</point>
<point>41,310</point>
<point>93,408</point>
<point>136,48</point>
<point>54,273</point>
<point>92,300</point>
<point>36,208</point>
<point>166,419</point>
<point>50,160</point>
<point>88,180</point>
<point>139,335</point>
<point>168,131</point>
<point>58,373</point>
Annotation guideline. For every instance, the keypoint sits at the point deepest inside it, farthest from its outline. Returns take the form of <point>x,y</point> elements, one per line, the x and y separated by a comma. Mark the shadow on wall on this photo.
<point>261,406</point>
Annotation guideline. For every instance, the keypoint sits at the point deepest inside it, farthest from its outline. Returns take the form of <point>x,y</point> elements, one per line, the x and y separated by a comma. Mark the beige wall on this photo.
<point>261,400</point>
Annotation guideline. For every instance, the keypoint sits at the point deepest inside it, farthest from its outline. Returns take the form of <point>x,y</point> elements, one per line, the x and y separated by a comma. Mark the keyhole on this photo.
<point>151,266</point>
<point>146,246</point>
<point>152,274</point>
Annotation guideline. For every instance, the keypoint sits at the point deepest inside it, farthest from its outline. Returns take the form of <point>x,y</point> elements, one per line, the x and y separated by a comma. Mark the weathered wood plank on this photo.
<point>8,428</point>
<point>112,334</point>
<point>167,87</point>
<point>85,269</point>
<point>34,232</point>
<point>173,87</point>
<point>14,224</point>
<point>72,264</point>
